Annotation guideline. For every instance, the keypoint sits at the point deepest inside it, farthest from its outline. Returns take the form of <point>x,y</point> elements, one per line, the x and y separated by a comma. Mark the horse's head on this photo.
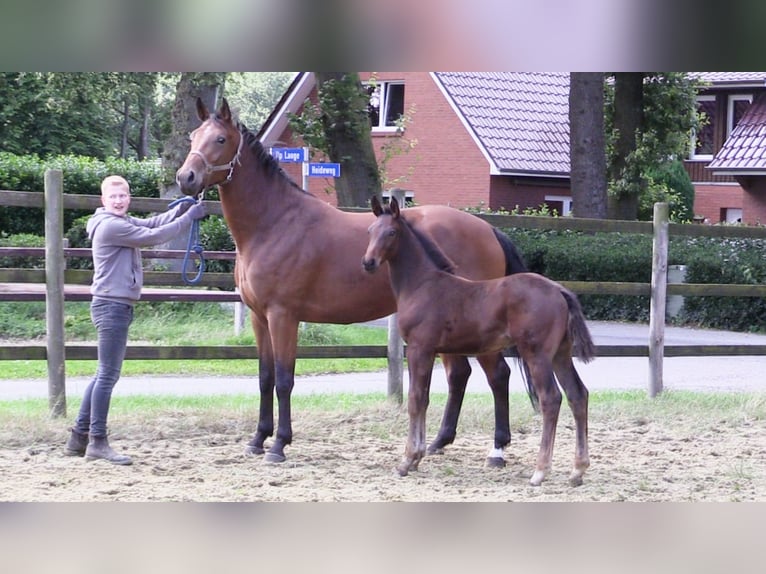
<point>384,234</point>
<point>215,149</point>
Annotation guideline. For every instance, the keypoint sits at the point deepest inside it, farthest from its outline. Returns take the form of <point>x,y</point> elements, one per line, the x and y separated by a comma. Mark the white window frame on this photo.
<point>730,109</point>
<point>566,203</point>
<point>382,88</point>
<point>692,154</point>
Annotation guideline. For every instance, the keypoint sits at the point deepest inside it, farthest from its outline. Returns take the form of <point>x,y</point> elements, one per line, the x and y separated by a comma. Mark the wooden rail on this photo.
<point>32,285</point>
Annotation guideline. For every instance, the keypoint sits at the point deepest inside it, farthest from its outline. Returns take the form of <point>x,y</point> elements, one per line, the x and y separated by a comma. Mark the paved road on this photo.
<point>679,373</point>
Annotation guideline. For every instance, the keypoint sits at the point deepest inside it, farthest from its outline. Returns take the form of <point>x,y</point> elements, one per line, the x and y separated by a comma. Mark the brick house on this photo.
<point>501,139</point>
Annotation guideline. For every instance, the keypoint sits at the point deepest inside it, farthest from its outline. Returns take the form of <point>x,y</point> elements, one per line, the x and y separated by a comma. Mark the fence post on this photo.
<point>54,290</point>
<point>395,344</point>
<point>659,288</point>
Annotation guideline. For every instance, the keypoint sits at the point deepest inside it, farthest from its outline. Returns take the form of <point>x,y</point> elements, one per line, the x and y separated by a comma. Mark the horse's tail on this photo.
<point>527,378</point>
<point>579,333</point>
<point>514,263</point>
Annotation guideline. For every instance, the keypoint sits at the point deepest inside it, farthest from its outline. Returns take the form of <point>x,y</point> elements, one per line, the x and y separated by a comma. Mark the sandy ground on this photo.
<point>350,456</point>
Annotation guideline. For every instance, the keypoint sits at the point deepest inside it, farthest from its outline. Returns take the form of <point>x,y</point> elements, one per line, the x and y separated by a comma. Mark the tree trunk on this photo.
<point>628,116</point>
<point>184,120</point>
<point>143,134</point>
<point>124,129</point>
<point>347,131</point>
<point>587,154</point>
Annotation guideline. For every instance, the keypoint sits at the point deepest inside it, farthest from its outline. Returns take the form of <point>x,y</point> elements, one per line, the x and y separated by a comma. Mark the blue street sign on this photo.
<point>324,169</point>
<point>289,154</point>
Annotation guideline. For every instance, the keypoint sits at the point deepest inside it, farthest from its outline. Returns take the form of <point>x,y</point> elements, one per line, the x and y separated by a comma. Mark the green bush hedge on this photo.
<point>574,256</point>
<point>82,175</point>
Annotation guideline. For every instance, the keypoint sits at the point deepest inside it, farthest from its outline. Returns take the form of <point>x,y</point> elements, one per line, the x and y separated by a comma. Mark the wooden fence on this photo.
<point>57,284</point>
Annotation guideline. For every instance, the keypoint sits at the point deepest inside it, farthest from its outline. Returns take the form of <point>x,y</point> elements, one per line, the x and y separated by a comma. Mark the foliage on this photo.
<point>253,95</point>
<point>575,256</point>
<point>81,175</point>
<point>671,184</point>
<point>83,113</point>
<point>214,235</point>
<point>669,115</point>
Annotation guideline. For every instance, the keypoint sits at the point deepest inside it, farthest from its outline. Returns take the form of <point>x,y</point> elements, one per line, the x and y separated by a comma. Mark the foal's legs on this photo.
<point>541,372</point>
<point>457,369</point>
<point>577,397</point>
<point>420,365</point>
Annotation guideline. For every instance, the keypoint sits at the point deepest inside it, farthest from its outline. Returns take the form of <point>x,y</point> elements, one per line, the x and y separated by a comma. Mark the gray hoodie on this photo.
<point>116,241</point>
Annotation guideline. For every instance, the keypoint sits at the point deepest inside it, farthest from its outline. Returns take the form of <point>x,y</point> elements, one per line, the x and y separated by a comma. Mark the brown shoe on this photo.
<point>76,444</point>
<point>98,448</point>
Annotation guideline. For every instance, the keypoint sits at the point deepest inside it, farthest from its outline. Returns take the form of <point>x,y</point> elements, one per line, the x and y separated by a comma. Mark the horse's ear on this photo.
<point>225,111</point>
<point>394,205</point>
<point>377,209</point>
<point>202,112</point>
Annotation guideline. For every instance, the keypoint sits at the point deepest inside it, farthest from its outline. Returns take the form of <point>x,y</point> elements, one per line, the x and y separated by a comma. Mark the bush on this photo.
<point>574,256</point>
<point>81,175</point>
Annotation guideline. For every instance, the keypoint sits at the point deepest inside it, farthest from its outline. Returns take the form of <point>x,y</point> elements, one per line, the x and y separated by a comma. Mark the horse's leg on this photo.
<point>420,365</point>
<point>266,384</point>
<point>577,397</point>
<point>284,339</point>
<point>457,369</point>
<point>498,372</point>
<point>541,372</point>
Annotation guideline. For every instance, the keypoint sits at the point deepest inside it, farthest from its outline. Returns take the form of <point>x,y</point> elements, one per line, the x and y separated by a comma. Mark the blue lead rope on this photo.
<point>193,245</point>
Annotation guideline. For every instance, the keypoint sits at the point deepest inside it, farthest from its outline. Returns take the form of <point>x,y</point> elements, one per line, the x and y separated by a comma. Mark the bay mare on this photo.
<point>298,260</point>
<point>440,312</point>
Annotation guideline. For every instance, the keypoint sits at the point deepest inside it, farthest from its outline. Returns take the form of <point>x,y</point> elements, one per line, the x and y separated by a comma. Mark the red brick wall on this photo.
<point>710,199</point>
<point>754,201</point>
<point>445,165</point>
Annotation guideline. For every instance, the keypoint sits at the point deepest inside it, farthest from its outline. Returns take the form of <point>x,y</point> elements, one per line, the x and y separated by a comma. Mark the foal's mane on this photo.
<point>435,254</point>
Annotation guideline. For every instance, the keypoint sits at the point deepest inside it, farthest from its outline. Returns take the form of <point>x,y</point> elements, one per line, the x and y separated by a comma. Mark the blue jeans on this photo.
<point>112,321</point>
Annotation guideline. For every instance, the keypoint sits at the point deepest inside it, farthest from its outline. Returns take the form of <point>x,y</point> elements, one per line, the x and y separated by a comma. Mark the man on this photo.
<point>118,278</point>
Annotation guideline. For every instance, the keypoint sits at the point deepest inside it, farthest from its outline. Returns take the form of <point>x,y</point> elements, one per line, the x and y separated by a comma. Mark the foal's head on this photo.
<point>384,234</point>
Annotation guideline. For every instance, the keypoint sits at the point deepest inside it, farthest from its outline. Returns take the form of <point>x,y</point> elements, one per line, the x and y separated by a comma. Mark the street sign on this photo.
<point>289,154</point>
<point>324,169</point>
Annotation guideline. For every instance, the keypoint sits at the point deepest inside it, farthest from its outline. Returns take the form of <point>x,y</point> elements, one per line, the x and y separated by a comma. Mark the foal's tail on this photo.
<point>577,332</point>
<point>584,349</point>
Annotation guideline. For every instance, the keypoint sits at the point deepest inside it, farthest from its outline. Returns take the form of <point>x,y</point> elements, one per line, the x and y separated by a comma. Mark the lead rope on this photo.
<point>192,245</point>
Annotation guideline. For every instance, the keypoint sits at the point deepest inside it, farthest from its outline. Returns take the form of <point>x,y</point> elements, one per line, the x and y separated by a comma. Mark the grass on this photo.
<point>173,323</point>
<point>697,413</point>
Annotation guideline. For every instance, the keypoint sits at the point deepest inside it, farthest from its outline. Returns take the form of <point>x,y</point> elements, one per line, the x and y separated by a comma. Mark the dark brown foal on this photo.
<point>440,312</point>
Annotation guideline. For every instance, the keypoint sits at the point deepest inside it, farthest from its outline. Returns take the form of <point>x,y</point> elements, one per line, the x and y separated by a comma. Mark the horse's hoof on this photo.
<point>274,457</point>
<point>537,478</point>
<point>253,450</point>
<point>575,480</point>
<point>402,470</point>
<point>495,462</point>
<point>435,450</point>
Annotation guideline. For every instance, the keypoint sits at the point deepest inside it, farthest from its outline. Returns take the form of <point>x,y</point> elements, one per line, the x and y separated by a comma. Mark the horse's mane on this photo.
<point>268,163</point>
<point>435,254</point>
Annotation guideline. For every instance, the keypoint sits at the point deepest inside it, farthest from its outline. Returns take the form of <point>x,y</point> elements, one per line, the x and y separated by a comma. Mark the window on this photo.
<point>703,142</point>
<point>386,104</point>
<point>561,204</point>
<point>737,107</point>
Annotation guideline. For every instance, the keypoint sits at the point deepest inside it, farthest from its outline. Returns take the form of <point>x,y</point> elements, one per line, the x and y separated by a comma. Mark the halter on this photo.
<point>209,168</point>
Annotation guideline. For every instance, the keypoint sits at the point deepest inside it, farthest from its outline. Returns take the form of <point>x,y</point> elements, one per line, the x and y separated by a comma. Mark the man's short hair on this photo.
<point>114,180</point>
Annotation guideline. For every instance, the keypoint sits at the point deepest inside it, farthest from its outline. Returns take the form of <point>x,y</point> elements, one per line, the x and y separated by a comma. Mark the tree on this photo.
<point>190,86</point>
<point>587,154</point>
<point>253,95</point>
<point>339,126</point>
<point>649,118</point>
